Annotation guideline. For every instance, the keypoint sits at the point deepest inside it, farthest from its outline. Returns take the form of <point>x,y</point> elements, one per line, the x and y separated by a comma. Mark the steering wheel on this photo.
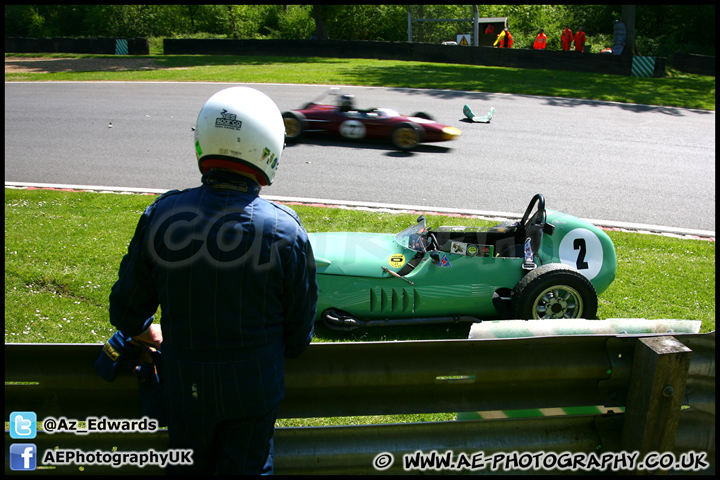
<point>539,217</point>
<point>533,226</point>
<point>432,242</point>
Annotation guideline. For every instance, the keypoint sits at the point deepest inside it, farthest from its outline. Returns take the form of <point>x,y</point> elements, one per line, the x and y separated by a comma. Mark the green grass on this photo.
<point>63,249</point>
<point>676,90</point>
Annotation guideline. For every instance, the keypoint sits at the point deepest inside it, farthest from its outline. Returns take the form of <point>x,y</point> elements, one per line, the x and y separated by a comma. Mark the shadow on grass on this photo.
<point>565,89</point>
<point>670,96</point>
<point>178,61</point>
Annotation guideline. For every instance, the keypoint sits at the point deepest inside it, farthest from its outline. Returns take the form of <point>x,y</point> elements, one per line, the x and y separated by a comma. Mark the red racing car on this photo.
<point>346,121</point>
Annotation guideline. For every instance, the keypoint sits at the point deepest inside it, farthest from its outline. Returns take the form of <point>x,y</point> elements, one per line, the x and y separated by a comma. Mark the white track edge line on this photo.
<point>639,227</point>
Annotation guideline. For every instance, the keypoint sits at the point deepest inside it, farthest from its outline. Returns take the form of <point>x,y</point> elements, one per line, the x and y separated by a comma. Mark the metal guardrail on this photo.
<point>385,378</point>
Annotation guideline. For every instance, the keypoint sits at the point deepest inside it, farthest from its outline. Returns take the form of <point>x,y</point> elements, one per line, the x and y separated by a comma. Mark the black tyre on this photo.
<point>554,291</point>
<point>424,115</point>
<point>406,136</point>
<point>294,126</point>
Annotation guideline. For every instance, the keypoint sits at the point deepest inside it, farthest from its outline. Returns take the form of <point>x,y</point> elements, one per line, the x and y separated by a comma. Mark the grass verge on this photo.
<point>63,249</point>
<point>676,90</point>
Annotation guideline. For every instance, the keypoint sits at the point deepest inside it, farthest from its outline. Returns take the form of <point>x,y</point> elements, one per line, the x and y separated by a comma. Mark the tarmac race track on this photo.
<point>595,160</point>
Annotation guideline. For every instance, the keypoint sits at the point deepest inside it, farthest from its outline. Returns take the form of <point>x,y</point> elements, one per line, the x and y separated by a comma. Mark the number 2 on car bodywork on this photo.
<point>582,246</point>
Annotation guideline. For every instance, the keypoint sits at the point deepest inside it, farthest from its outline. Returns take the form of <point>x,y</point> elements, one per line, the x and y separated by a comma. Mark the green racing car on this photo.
<point>547,265</point>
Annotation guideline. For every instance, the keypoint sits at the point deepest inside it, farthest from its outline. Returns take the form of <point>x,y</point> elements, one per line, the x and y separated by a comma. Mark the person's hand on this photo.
<point>151,337</point>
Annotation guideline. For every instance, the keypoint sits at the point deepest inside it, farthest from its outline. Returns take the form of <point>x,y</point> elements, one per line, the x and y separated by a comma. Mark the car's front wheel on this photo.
<point>406,136</point>
<point>294,125</point>
<point>554,291</point>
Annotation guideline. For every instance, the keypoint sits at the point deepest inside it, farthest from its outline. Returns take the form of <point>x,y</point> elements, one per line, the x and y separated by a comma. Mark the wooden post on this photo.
<point>655,395</point>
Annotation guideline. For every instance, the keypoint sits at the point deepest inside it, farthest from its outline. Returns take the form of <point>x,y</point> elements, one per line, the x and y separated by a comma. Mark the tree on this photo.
<point>23,21</point>
<point>659,30</point>
<point>192,12</point>
<point>319,15</point>
<point>628,17</point>
<point>322,14</point>
<point>295,23</point>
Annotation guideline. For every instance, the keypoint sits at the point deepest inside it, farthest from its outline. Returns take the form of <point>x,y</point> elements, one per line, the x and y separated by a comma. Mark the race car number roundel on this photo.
<point>352,129</point>
<point>582,249</point>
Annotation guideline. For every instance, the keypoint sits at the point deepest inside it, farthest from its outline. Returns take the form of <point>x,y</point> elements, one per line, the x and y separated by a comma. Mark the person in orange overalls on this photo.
<point>540,40</point>
<point>566,38</point>
<point>505,39</point>
<point>579,40</point>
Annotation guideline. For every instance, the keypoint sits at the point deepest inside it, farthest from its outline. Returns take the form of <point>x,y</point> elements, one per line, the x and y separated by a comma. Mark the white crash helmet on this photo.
<point>240,129</point>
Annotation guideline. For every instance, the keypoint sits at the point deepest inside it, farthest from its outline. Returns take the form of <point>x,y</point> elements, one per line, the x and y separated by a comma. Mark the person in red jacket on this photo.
<point>566,38</point>
<point>580,40</point>
<point>540,40</point>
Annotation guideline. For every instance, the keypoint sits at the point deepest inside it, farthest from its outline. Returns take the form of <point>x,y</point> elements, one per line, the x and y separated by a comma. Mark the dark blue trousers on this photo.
<point>224,413</point>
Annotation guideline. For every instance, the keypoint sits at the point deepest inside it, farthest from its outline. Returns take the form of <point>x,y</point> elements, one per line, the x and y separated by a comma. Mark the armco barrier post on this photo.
<point>655,395</point>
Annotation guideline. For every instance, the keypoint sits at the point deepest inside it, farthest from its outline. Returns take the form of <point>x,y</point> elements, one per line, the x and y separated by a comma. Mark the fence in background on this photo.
<point>98,46</point>
<point>482,55</point>
<point>407,51</point>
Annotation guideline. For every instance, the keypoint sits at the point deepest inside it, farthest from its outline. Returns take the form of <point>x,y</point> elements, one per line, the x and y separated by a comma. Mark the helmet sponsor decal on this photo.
<point>228,120</point>
<point>269,158</point>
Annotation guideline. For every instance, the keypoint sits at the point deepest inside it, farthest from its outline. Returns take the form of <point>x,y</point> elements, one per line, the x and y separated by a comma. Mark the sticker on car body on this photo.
<point>444,262</point>
<point>396,260</point>
<point>471,249</point>
<point>582,249</point>
<point>352,129</point>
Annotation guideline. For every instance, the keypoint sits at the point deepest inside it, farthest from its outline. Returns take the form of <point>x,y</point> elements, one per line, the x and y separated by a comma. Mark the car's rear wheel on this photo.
<point>294,125</point>
<point>554,291</point>
<point>406,136</point>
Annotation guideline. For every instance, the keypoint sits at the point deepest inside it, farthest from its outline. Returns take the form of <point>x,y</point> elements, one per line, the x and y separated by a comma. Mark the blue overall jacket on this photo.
<point>234,277</point>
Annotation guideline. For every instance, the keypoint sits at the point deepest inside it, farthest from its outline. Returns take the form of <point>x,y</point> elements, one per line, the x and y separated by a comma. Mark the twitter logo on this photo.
<point>23,425</point>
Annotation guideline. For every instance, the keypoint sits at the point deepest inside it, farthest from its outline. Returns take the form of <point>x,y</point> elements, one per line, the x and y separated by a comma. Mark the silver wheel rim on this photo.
<point>406,137</point>
<point>292,127</point>
<point>559,301</point>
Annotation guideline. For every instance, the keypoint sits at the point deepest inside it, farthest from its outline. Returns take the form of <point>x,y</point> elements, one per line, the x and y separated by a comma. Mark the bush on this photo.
<point>295,23</point>
<point>662,29</point>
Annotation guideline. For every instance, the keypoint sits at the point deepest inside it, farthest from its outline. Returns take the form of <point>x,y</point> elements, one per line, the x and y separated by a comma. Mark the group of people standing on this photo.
<point>567,38</point>
<point>505,39</point>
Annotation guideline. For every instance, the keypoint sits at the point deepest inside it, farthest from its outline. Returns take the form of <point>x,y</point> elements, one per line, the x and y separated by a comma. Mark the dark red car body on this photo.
<point>383,124</point>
